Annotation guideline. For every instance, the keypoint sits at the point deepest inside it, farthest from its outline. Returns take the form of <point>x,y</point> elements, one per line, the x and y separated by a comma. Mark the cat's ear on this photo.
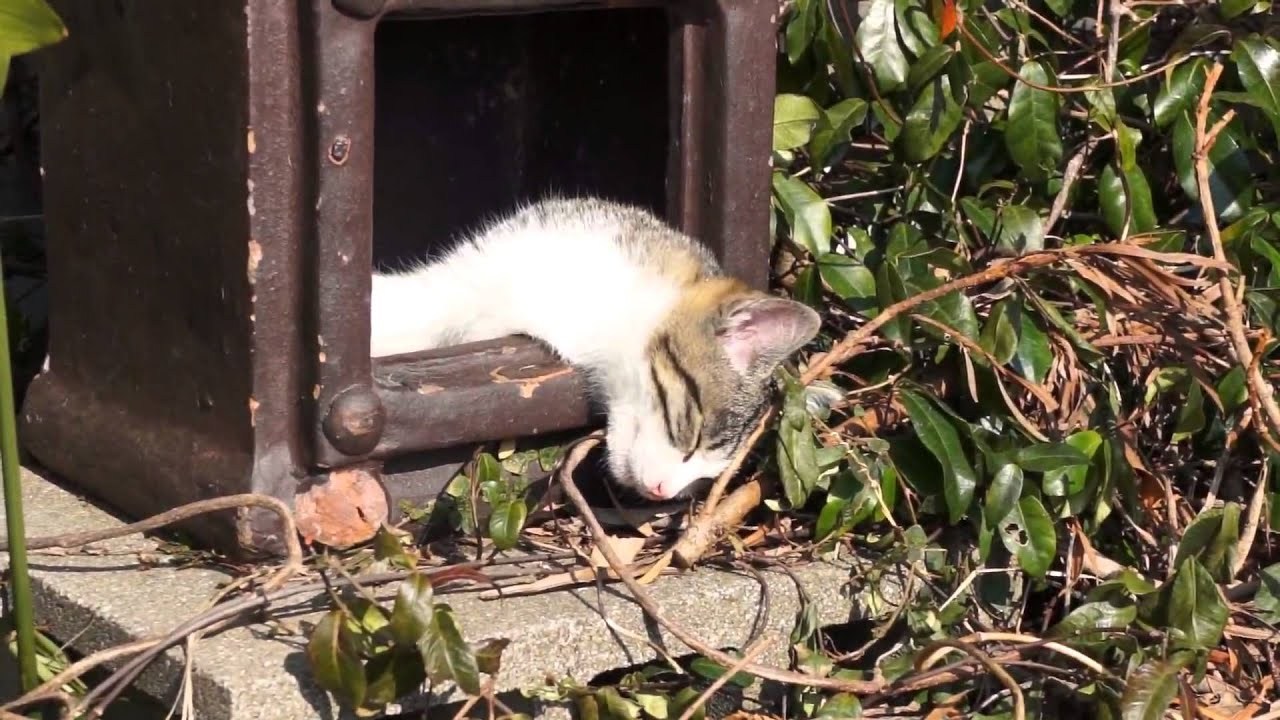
<point>759,333</point>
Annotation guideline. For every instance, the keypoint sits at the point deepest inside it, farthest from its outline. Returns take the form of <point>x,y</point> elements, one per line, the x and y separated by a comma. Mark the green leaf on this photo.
<point>411,614</point>
<point>712,670</point>
<point>446,655</point>
<point>848,279</point>
<point>998,336</point>
<point>654,705</point>
<point>1258,64</point>
<point>1032,135</point>
<point>1116,195</point>
<point>488,470</point>
<point>840,705</point>
<point>833,128</point>
<point>796,447</point>
<point>1233,8</point>
<point>807,214</point>
<point>1086,620</point>
<point>506,522</point>
<point>927,66</point>
<point>615,706</point>
<point>877,42</point>
<point>942,440</point>
<point>1034,355</point>
<point>1028,532</point>
<point>1231,390</point>
<point>1003,493</point>
<point>489,655</point>
<point>933,118</point>
<point>27,25</point>
<point>794,117</point>
<point>1019,230</point>
<point>1197,612</point>
<point>1190,414</point>
<point>335,663</point>
<point>1211,538</point>
<point>1149,691</point>
<point>1181,93</point>
<point>1230,177</point>
<point>801,29</point>
<point>390,676</point>
<point>1070,478</point>
<point>683,700</point>
<point>386,546</point>
<point>1060,7</point>
<point>1046,457</point>
<point>1268,598</point>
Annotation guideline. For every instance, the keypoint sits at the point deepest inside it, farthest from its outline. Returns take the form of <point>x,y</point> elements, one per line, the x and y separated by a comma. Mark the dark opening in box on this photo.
<point>477,115</point>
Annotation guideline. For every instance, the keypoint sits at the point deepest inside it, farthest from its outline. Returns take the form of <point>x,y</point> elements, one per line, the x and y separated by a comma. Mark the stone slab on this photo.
<point>98,600</point>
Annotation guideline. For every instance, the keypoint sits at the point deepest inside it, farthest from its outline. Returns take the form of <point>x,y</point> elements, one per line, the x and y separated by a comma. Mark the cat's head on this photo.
<point>706,380</point>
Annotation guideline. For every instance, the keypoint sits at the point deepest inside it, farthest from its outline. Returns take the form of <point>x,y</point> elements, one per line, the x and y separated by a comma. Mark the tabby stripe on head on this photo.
<point>662,399</point>
<point>690,400</point>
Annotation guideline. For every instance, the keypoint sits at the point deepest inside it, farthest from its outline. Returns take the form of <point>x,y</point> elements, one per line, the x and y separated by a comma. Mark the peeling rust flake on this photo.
<point>255,258</point>
<point>343,510</point>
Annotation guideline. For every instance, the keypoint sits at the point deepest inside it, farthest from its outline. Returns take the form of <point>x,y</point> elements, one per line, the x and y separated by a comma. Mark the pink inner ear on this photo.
<point>771,328</point>
<point>741,344</point>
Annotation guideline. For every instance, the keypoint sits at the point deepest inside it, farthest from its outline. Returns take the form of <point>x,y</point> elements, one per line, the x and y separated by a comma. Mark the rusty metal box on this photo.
<point>221,176</point>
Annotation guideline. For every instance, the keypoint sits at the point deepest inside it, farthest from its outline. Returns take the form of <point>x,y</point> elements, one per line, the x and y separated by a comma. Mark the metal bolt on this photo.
<point>340,150</point>
<point>354,422</point>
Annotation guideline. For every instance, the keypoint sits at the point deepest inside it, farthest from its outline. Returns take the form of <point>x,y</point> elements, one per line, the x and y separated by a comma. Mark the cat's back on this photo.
<point>583,231</point>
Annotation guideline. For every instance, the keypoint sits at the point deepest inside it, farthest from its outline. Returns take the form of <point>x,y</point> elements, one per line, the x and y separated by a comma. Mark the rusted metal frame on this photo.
<point>739,91</point>
<point>349,412</point>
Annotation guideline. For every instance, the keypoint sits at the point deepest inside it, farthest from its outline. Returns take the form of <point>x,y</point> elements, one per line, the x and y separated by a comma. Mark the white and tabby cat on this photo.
<point>679,355</point>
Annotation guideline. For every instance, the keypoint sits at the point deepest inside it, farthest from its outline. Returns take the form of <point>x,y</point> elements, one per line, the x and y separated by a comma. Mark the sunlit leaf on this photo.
<point>27,25</point>
<point>1180,92</point>
<point>335,663</point>
<point>506,522</point>
<point>932,119</point>
<point>1084,621</point>
<point>1149,691</point>
<point>1125,201</point>
<point>794,117</point>
<point>807,213</point>
<point>877,42</point>
<point>411,613</point>
<point>1258,64</point>
<point>1046,457</point>
<point>1268,598</point>
<point>1028,532</point>
<point>391,676</point>
<point>1003,493</point>
<point>1032,135</point>
<point>489,655</point>
<point>446,655</point>
<point>1211,538</point>
<point>833,128</point>
<point>1019,230</point>
<point>1196,609</point>
<point>940,437</point>
<point>1230,178</point>
<point>848,279</point>
<point>840,705</point>
<point>998,335</point>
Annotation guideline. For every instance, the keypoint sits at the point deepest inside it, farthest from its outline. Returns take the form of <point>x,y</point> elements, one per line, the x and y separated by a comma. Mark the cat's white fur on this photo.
<point>592,280</point>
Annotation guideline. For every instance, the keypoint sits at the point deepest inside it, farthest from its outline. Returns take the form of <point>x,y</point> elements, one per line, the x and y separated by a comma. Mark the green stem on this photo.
<point>20,579</point>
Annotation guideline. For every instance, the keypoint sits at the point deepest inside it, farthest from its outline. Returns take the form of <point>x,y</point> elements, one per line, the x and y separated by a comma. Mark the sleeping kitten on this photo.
<point>680,356</point>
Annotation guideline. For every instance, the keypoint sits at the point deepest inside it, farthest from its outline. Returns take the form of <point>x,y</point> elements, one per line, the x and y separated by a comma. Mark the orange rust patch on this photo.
<point>344,510</point>
<point>529,385</point>
<point>255,257</point>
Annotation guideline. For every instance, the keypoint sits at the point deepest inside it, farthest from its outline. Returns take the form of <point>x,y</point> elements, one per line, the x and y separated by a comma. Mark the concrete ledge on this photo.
<point>110,597</point>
